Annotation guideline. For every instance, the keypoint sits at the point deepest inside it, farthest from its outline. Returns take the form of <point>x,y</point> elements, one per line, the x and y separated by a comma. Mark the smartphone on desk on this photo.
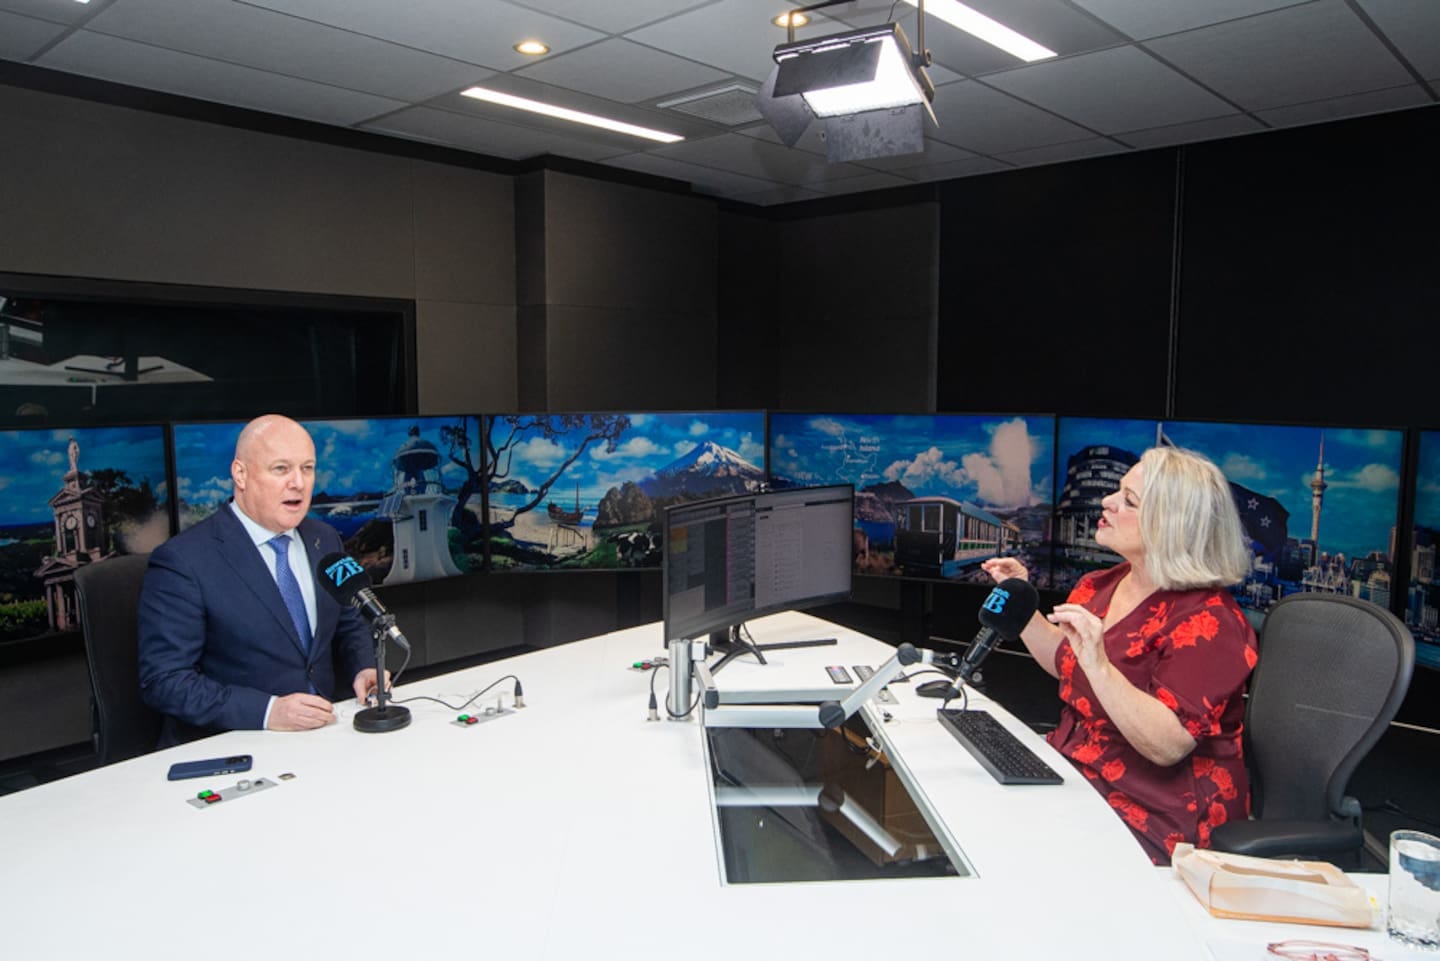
<point>211,766</point>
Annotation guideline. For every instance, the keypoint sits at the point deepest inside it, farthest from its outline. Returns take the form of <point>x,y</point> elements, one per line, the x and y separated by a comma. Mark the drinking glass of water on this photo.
<point>1414,912</point>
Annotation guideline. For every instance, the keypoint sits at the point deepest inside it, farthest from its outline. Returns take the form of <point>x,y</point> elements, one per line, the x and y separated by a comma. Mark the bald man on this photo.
<point>233,632</point>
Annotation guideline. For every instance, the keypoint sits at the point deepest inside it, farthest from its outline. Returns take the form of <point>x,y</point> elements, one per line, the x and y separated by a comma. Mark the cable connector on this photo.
<point>654,708</point>
<point>519,694</point>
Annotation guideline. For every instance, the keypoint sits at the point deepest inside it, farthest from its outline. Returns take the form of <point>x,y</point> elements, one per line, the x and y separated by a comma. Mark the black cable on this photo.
<point>473,698</point>
<point>688,711</point>
<point>1390,807</point>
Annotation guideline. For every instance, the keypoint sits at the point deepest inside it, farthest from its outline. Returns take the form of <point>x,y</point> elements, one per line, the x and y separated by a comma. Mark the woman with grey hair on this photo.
<point>1153,654</point>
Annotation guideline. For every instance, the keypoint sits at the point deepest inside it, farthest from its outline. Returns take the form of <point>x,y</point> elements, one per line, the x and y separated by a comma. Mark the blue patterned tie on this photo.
<point>290,589</point>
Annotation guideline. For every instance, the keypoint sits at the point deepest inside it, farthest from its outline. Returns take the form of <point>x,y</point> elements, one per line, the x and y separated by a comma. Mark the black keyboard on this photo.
<point>997,750</point>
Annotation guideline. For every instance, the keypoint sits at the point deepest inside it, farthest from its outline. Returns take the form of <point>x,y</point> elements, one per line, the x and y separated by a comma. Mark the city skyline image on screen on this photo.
<point>395,489</point>
<point>1422,600</point>
<point>935,494</point>
<point>586,491</point>
<point>1319,504</point>
<point>73,496</point>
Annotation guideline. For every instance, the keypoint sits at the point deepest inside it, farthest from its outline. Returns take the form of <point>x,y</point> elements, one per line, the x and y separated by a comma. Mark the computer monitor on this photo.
<point>729,559</point>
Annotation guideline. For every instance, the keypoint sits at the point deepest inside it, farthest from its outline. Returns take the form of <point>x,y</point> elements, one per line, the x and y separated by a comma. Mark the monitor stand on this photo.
<point>736,641</point>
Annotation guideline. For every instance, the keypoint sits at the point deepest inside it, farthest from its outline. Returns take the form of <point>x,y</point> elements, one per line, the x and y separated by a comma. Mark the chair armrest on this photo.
<point>1269,839</point>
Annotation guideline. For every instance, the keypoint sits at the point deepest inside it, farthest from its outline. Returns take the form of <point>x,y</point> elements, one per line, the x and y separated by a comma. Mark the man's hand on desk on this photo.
<point>365,685</point>
<point>300,712</point>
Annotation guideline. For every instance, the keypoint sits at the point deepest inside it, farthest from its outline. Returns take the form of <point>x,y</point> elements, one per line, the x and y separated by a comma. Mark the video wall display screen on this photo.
<point>403,492</point>
<point>1422,599</point>
<point>1319,505</point>
<point>586,491</point>
<point>935,494</point>
<point>72,497</point>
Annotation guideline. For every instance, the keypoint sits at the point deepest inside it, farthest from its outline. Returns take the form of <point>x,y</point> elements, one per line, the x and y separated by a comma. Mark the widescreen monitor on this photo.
<point>730,559</point>
<point>1319,504</point>
<point>403,492</point>
<point>585,491</point>
<point>72,497</point>
<point>1422,596</point>
<point>935,494</point>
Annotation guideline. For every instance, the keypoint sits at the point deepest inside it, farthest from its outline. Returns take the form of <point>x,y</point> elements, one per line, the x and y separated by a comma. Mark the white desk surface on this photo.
<point>572,829</point>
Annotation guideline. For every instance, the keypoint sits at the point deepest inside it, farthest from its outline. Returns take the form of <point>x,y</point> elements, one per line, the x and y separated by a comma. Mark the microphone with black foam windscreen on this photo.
<point>345,580</point>
<point>1007,609</point>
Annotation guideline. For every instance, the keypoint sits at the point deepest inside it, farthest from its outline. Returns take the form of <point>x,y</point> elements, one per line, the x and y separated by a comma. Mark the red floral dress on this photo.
<point>1193,651</point>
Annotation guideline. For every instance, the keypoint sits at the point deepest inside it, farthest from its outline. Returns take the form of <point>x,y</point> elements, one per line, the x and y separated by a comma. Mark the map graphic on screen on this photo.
<point>73,496</point>
<point>406,509</point>
<point>1318,504</point>
<point>935,494</point>
<point>586,491</point>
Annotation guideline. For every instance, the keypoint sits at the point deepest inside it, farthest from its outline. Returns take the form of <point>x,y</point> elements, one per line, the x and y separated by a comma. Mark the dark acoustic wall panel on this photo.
<point>1055,288</point>
<point>858,297</point>
<point>750,278</point>
<point>1309,289</point>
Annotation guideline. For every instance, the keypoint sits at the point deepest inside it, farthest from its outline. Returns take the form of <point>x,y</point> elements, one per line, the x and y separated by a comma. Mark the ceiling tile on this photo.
<point>707,180</point>
<point>855,185</point>
<point>491,137</point>
<point>123,61</point>
<point>1059,152</point>
<point>1414,27</point>
<point>477,31</point>
<point>259,38</point>
<point>56,11</point>
<point>955,168</point>
<point>1143,19</point>
<point>23,37</point>
<point>732,35</point>
<point>756,158</point>
<point>1375,101</point>
<point>623,71</point>
<point>1213,129</point>
<point>987,121</point>
<point>1270,60</point>
<point>780,195</point>
<point>1122,88</point>
<point>612,17</point>
<point>935,152</point>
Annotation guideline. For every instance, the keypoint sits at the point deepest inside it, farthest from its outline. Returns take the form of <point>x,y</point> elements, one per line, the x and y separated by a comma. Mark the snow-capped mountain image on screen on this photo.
<point>588,491</point>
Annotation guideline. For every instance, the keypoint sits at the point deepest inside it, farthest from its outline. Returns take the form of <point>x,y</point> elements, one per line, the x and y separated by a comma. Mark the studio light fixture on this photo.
<point>531,48</point>
<point>565,113</point>
<point>867,87</point>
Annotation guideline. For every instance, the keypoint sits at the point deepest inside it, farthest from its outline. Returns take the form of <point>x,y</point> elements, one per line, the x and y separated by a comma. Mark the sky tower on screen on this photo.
<point>1317,496</point>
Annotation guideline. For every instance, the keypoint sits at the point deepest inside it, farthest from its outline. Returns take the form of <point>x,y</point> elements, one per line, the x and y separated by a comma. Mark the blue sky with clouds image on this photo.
<point>33,464</point>
<point>653,441</point>
<point>1362,469</point>
<point>999,461</point>
<point>1427,485</point>
<point>351,456</point>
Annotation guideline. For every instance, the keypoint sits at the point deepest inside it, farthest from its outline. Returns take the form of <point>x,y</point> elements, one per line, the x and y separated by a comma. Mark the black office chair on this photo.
<point>1332,673</point>
<point>108,592</point>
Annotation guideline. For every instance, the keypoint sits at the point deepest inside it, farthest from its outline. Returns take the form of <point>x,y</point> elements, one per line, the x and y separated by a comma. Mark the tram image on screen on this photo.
<point>935,494</point>
<point>733,558</point>
<point>1319,504</point>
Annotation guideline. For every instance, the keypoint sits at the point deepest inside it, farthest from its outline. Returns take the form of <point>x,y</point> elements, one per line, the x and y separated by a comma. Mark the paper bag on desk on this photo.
<point>1257,889</point>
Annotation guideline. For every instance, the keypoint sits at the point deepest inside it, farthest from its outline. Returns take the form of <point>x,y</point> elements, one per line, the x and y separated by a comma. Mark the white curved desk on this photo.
<point>572,829</point>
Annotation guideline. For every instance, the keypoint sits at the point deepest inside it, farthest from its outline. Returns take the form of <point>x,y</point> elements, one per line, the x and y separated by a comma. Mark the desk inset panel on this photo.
<point>801,805</point>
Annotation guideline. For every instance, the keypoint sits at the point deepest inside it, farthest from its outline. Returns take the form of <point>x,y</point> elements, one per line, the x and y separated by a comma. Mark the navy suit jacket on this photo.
<point>216,641</point>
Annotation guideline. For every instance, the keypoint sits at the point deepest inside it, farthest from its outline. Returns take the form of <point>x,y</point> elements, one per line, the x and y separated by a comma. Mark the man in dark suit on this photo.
<point>234,633</point>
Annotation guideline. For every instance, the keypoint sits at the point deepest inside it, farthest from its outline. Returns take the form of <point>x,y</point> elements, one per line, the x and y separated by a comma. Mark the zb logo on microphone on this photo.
<point>995,602</point>
<point>342,570</point>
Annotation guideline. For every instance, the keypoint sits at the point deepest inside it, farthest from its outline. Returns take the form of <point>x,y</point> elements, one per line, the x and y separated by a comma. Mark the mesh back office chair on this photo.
<point>1332,673</point>
<point>109,601</point>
